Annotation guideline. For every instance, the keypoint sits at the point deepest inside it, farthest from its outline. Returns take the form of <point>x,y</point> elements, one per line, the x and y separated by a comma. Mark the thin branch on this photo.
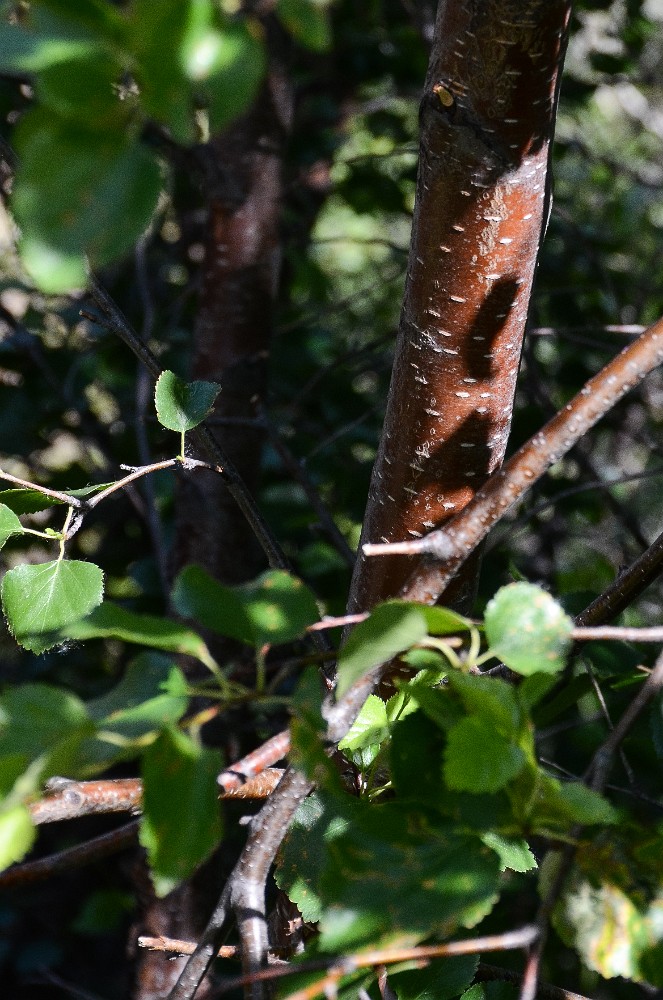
<point>337,967</point>
<point>598,772</point>
<point>66,799</point>
<point>602,760</point>
<point>179,947</point>
<point>244,891</point>
<point>618,632</point>
<point>448,548</point>
<point>137,473</point>
<point>114,320</point>
<point>272,750</point>
<point>56,494</point>
<point>491,973</point>
<point>630,583</point>
<point>73,857</point>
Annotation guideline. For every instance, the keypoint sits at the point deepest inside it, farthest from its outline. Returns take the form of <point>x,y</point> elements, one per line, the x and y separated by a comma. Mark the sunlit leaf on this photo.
<point>527,629</point>
<point>17,835</point>
<point>181,824</point>
<point>390,629</point>
<point>183,405</point>
<point>39,601</point>
<point>112,621</point>
<point>274,608</point>
<point>9,524</point>
<point>477,759</point>
<point>514,853</point>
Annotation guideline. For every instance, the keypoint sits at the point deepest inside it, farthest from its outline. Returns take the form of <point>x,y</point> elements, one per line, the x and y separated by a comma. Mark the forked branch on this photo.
<point>447,549</point>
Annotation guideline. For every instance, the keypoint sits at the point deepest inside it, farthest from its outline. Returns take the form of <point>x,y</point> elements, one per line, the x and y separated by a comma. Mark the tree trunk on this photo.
<point>233,331</point>
<point>231,346</point>
<point>487,122</point>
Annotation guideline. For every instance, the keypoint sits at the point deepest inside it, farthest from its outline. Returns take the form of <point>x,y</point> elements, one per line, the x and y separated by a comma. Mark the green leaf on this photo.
<point>39,601</point>
<point>23,51</point>
<point>188,56</point>
<point>367,732</point>
<point>440,980</point>
<point>227,66</point>
<point>17,835</point>
<point>302,856</point>
<point>477,759</point>
<point>79,191</point>
<point>111,621</point>
<point>181,823</point>
<point>444,621</point>
<point>274,608</point>
<point>527,629</point>
<point>307,21</point>
<point>491,699</point>
<point>9,524</point>
<point>559,807</point>
<point>183,405</point>
<point>152,694</point>
<point>34,717</point>
<point>391,628</point>
<point>42,729</point>
<point>415,755</point>
<point>96,75</point>
<point>389,873</point>
<point>514,853</point>
<point>27,501</point>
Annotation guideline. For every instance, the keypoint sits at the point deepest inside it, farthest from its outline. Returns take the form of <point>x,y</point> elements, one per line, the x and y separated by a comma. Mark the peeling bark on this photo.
<point>487,121</point>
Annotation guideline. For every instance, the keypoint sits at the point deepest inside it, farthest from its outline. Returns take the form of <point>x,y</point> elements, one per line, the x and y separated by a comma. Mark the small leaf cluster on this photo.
<point>88,183</point>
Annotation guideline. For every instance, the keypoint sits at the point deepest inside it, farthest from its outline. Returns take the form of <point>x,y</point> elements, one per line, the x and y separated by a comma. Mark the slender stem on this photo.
<point>114,320</point>
<point>65,529</point>
<point>71,858</point>
<point>144,470</point>
<point>56,494</point>
<point>621,633</point>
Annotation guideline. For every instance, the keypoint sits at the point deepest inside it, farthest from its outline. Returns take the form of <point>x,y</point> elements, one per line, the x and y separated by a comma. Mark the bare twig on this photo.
<point>137,473</point>
<point>56,494</point>
<point>73,857</point>
<point>272,750</point>
<point>600,765</point>
<point>630,583</point>
<point>66,799</point>
<point>597,775</point>
<point>618,632</point>
<point>114,320</point>
<point>337,967</point>
<point>447,549</point>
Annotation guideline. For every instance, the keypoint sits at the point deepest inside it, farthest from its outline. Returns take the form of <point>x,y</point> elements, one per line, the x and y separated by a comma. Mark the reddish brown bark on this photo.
<point>487,120</point>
